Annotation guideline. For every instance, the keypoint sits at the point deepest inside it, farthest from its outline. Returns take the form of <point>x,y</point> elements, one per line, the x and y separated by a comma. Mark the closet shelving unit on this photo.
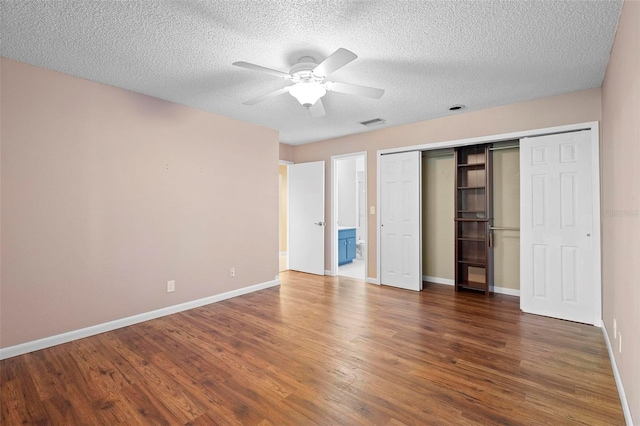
<point>473,220</point>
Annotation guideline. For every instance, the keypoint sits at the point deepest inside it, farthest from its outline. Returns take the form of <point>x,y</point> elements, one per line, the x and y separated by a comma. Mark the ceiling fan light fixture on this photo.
<point>307,93</point>
<point>308,81</point>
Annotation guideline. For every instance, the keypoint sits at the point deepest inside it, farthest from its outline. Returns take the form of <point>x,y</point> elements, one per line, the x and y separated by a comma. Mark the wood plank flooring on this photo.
<point>323,350</point>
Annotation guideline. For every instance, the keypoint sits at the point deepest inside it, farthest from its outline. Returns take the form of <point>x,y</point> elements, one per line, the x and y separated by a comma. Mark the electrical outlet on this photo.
<point>232,272</point>
<point>620,342</point>
<point>615,329</point>
<point>171,286</point>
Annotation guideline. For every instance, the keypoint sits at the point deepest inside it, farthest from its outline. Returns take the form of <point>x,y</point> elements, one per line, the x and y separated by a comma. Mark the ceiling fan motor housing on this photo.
<point>302,72</point>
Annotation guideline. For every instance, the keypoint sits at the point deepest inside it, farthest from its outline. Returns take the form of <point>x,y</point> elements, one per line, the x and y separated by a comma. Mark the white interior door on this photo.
<point>400,204</point>
<point>559,275</point>
<point>306,217</point>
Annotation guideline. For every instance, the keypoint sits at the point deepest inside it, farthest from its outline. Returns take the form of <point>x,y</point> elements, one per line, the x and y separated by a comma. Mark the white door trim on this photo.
<point>493,138</point>
<point>591,125</point>
<point>596,232</point>
<point>333,230</point>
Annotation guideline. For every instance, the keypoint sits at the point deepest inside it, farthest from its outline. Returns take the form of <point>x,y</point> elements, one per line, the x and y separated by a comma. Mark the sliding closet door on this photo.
<point>400,213</point>
<point>560,265</point>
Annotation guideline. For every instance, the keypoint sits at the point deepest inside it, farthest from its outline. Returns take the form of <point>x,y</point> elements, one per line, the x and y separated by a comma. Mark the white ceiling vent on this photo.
<point>373,122</point>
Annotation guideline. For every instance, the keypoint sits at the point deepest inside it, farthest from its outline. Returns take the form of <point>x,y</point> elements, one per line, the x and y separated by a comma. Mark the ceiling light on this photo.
<point>307,93</point>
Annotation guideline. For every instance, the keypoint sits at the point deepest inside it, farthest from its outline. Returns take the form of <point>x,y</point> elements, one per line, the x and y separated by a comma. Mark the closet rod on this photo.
<point>495,148</point>
<point>502,228</point>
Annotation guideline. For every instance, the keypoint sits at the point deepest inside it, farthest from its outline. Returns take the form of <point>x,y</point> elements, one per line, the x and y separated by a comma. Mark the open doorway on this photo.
<point>349,230</point>
<point>283,207</point>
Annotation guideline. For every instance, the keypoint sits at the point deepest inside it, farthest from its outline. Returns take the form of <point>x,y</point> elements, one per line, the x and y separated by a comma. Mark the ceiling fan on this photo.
<point>310,83</point>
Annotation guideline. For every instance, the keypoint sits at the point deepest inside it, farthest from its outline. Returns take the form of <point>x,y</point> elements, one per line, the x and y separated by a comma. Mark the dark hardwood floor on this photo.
<point>322,350</point>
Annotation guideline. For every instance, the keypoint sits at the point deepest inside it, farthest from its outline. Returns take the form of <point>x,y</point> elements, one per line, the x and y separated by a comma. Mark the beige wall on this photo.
<point>506,213</point>
<point>108,194</point>
<point>283,171</point>
<point>620,158</point>
<point>438,193</point>
<point>286,152</point>
<point>570,108</point>
<point>1,133</point>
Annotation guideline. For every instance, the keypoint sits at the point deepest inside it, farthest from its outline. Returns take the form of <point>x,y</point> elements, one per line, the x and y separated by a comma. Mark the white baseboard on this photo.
<point>616,374</point>
<point>507,291</point>
<point>58,339</point>
<point>373,280</point>
<point>448,281</point>
<point>327,272</point>
<point>437,280</point>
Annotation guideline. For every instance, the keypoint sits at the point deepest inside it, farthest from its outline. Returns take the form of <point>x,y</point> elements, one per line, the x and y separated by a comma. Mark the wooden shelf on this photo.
<point>474,256</point>
<point>472,285</point>
<point>473,262</point>
<point>473,165</point>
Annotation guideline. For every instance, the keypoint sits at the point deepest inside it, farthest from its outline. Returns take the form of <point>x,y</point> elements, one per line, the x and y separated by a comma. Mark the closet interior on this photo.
<point>471,217</point>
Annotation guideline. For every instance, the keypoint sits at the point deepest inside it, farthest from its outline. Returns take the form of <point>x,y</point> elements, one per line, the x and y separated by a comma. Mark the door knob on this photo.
<point>320,223</point>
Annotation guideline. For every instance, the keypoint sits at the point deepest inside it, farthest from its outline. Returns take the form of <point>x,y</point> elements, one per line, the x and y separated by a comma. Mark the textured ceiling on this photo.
<point>426,55</point>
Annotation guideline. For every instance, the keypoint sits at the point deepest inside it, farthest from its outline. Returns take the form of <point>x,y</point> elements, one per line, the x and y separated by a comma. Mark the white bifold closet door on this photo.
<point>559,275</point>
<point>400,213</point>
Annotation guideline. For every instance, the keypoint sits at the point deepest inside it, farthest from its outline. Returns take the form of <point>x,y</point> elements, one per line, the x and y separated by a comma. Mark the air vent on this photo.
<point>374,122</point>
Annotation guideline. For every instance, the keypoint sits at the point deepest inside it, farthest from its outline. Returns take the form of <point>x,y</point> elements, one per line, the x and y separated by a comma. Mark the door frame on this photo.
<point>594,126</point>
<point>283,163</point>
<point>333,229</point>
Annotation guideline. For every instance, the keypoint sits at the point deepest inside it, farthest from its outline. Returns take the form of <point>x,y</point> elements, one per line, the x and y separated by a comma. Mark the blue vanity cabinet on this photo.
<point>346,245</point>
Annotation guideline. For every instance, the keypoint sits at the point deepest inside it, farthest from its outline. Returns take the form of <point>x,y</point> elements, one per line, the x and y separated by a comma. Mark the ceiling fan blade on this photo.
<point>317,109</point>
<point>254,67</point>
<point>266,96</point>
<point>354,89</point>
<point>337,59</point>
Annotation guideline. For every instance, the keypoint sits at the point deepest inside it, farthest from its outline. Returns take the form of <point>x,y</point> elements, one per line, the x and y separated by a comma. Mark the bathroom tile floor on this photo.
<point>351,270</point>
<point>354,269</point>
